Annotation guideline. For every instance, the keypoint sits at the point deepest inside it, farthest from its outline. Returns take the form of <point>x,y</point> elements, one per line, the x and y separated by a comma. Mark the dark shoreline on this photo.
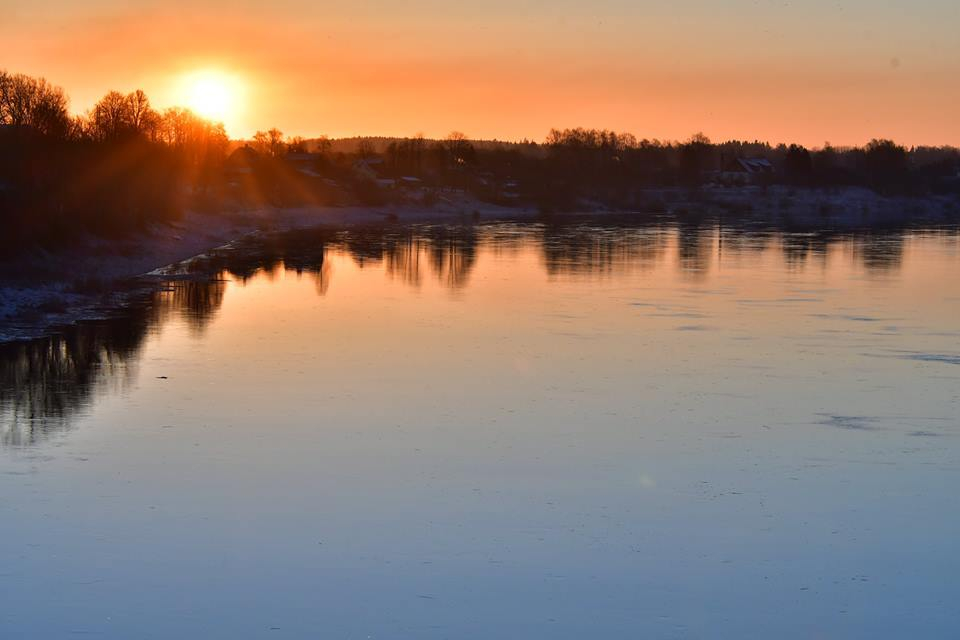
<point>94,283</point>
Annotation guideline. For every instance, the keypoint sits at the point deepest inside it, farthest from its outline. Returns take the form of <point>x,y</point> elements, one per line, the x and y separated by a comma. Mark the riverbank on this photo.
<point>838,208</point>
<point>42,291</point>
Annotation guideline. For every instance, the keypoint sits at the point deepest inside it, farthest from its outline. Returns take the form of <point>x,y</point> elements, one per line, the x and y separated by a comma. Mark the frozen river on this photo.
<point>594,429</point>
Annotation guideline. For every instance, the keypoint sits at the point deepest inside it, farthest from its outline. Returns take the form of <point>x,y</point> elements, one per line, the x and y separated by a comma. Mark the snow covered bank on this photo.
<point>42,291</point>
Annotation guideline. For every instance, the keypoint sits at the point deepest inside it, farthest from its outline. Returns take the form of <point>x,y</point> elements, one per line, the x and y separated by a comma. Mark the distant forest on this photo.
<point>124,165</point>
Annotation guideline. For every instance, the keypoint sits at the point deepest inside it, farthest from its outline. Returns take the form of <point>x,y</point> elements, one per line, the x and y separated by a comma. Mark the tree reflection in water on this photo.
<point>45,384</point>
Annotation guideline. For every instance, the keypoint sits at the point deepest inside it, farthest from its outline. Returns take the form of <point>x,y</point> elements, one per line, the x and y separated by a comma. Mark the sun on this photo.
<point>214,95</point>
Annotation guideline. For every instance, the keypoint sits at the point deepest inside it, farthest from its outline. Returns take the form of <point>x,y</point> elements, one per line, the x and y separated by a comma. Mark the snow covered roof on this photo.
<point>755,165</point>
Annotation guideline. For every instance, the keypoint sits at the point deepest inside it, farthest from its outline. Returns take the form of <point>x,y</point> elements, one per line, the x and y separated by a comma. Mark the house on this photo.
<point>242,160</point>
<point>375,170</point>
<point>304,162</point>
<point>743,171</point>
<point>751,166</point>
<point>372,168</point>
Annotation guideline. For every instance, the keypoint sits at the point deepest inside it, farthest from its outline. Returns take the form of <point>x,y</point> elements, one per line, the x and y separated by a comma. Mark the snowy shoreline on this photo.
<point>42,293</point>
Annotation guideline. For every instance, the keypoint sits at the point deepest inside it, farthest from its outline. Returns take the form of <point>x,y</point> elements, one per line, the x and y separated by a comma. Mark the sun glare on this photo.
<point>212,94</point>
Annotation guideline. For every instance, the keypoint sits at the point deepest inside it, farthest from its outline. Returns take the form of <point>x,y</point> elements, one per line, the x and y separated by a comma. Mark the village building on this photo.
<point>743,171</point>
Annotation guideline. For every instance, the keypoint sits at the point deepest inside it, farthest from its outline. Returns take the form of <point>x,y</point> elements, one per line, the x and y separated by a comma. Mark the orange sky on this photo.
<point>824,71</point>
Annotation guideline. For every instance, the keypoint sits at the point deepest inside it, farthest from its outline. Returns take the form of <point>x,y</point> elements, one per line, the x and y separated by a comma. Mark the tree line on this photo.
<point>573,166</point>
<point>35,104</point>
<point>123,165</point>
<point>117,167</point>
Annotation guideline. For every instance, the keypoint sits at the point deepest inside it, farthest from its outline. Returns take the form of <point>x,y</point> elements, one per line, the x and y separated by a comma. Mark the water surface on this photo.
<point>590,429</point>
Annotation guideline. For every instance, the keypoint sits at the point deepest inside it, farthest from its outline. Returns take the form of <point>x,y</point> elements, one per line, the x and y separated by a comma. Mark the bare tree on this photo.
<point>143,119</point>
<point>33,102</point>
<point>296,144</point>
<point>261,142</point>
<point>324,145</point>
<point>277,147</point>
<point>111,118</point>
<point>269,142</point>
<point>458,148</point>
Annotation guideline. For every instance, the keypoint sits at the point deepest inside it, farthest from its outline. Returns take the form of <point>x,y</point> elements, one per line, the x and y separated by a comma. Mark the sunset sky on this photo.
<point>809,71</point>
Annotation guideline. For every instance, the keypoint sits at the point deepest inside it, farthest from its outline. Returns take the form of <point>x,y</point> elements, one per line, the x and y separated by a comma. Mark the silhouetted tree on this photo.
<point>35,103</point>
<point>695,158</point>
<point>886,164</point>
<point>270,143</point>
<point>296,144</point>
<point>797,165</point>
<point>111,117</point>
<point>323,145</point>
<point>459,150</point>
<point>365,149</point>
<point>143,119</point>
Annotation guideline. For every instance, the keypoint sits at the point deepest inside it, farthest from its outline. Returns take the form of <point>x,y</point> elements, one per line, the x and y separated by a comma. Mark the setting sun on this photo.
<point>212,94</point>
<point>437,319</point>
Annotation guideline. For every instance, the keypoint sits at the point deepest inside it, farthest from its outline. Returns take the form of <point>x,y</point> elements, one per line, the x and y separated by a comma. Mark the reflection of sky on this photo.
<point>738,69</point>
<point>742,447</point>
